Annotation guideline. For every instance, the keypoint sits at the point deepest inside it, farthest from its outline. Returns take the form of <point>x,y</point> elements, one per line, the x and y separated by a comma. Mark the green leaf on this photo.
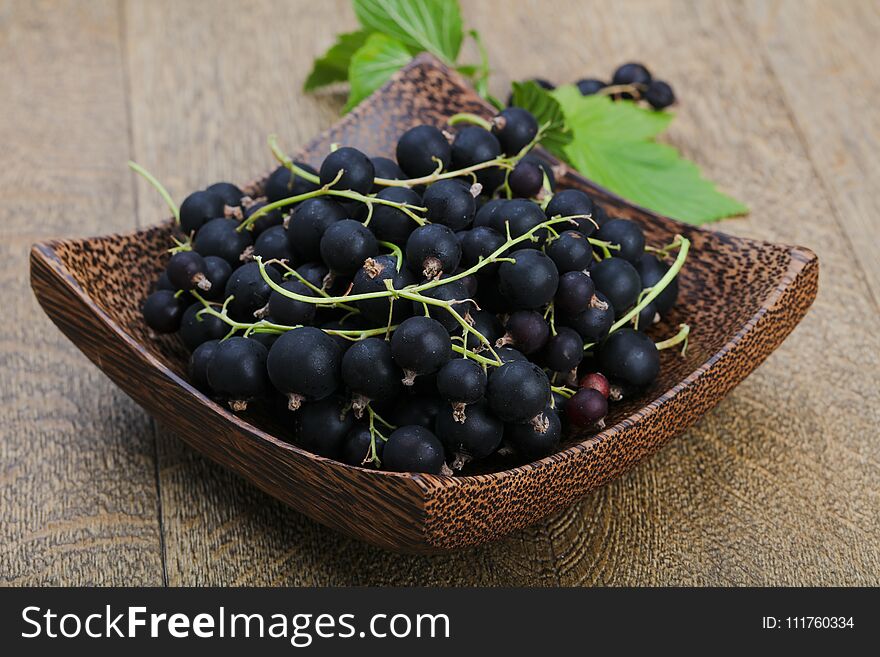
<point>333,66</point>
<point>547,110</point>
<point>613,145</point>
<point>432,25</point>
<point>373,64</point>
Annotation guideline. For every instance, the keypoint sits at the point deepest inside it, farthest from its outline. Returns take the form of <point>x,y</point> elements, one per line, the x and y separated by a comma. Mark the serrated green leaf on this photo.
<point>606,119</point>
<point>612,144</point>
<point>333,65</point>
<point>546,109</point>
<point>373,64</point>
<point>432,25</point>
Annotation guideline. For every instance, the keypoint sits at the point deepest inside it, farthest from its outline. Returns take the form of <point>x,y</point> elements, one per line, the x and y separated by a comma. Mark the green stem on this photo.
<point>395,251</point>
<point>150,178</point>
<point>472,119</point>
<point>500,162</point>
<point>406,208</point>
<point>285,160</point>
<point>565,391</point>
<point>607,247</point>
<point>682,336</point>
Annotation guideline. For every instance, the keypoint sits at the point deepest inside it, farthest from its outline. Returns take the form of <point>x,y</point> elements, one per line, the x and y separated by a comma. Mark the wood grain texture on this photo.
<point>833,100</point>
<point>78,498</point>
<point>778,485</point>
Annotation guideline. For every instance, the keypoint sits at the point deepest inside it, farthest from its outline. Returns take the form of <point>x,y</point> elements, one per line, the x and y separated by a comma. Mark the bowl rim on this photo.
<point>800,257</point>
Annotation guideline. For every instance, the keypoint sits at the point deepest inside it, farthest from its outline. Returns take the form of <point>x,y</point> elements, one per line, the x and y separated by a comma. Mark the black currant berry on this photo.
<point>590,86</point>
<point>518,391</point>
<point>544,165</point>
<point>272,244</point>
<point>629,356</point>
<point>271,218</point>
<point>453,291</point>
<point>450,203</point>
<point>618,280</point>
<point>357,447</point>
<point>357,170</point>
<point>651,269</point>
<point>659,95</point>
<point>416,409</point>
<point>510,355</point>
<point>346,245</point>
<point>391,224</point>
<point>647,316</point>
<point>563,351</point>
<point>489,297</point>
<point>196,329</point>
<point>522,215</point>
<point>388,169</point>
<point>370,373</point>
<point>515,129</point>
<point>472,435</point>
<point>163,311</point>
<point>574,293</point>
<point>420,345</point>
<point>283,184</point>
<point>594,323</point>
<point>230,194</point>
<point>217,271</point>
<point>371,278</point>
<point>573,203</point>
<point>461,381</point>
<point>473,145</point>
<point>488,325</point>
<point>596,381</point>
<point>237,372</point>
<point>220,238</point>
<point>488,215</point>
<point>529,281</point>
<point>163,283</point>
<point>422,150</point>
<point>321,426</point>
<point>198,364</point>
<point>479,242</point>
<point>571,251</point>
<point>307,224</point>
<point>526,330</point>
<point>413,449</point>
<point>305,365</point>
<point>587,408</point>
<point>186,270</point>
<point>600,216</point>
<point>538,438</point>
<point>250,291</point>
<point>314,273</point>
<point>628,235</point>
<point>526,180</point>
<point>292,312</point>
<point>631,73</point>
<point>432,249</point>
<point>198,209</point>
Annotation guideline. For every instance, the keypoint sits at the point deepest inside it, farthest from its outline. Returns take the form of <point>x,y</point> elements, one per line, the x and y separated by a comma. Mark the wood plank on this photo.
<point>776,486</point>
<point>824,57</point>
<point>77,488</point>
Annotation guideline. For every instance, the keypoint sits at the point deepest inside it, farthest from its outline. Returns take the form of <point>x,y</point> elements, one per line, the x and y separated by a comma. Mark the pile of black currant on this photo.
<point>417,314</point>
<point>631,81</point>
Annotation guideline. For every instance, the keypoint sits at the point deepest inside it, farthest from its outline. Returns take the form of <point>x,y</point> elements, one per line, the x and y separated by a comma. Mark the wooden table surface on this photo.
<point>780,484</point>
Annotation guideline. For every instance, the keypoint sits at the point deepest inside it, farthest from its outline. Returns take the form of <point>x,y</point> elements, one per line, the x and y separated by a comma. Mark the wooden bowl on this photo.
<point>741,298</point>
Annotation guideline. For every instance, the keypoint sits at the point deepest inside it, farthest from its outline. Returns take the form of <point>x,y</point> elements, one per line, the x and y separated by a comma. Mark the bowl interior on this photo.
<point>723,283</point>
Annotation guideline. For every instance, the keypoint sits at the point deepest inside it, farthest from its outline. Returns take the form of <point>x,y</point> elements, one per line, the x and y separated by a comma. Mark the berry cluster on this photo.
<point>417,314</point>
<point>631,81</point>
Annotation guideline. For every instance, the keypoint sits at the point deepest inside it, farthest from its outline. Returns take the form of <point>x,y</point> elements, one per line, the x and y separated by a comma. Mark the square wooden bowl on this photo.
<point>741,298</point>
